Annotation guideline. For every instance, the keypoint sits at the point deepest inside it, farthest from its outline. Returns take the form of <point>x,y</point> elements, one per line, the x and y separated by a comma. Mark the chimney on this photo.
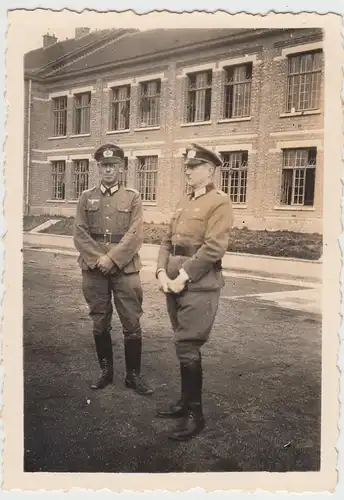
<point>49,40</point>
<point>79,32</point>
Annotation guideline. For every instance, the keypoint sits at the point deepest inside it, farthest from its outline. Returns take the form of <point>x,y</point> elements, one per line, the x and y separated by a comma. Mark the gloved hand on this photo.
<point>177,285</point>
<point>164,281</point>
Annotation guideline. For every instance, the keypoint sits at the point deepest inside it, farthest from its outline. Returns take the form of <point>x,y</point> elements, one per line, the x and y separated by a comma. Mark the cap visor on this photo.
<point>192,162</point>
<point>111,159</point>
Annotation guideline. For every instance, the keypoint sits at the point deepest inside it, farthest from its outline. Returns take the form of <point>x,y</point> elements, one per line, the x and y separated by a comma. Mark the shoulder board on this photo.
<point>132,189</point>
<point>221,193</point>
<point>90,189</point>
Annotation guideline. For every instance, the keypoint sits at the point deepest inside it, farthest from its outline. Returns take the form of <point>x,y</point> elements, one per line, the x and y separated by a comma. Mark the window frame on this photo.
<point>239,198</point>
<point>247,82</point>
<point>203,93</point>
<point>292,76</point>
<point>77,163</point>
<point>143,185</point>
<point>56,177</point>
<point>153,99</point>
<point>60,115</point>
<point>120,103</point>
<point>298,183</point>
<point>82,125</point>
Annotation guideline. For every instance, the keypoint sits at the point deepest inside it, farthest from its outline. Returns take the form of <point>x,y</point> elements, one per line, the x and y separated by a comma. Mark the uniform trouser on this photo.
<point>192,315</point>
<point>126,290</point>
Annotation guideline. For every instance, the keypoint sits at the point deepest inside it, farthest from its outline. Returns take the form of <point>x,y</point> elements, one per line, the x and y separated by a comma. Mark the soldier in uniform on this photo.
<point>108,233</point>
<point>189,272</point>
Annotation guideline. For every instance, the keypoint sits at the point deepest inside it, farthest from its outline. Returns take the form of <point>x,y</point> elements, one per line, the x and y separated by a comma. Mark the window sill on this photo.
<point>239,205</point>
<point>124,131</point>
<point>294,208</point>
<point>80,135</point>
<point>233,120</point>
<point>55,137</point>
<point>300,113</point>
<point>55,201</point>
<point>143,129</point>
<point>72,201</point>
<point>195,124</point>
<point>149,203</point>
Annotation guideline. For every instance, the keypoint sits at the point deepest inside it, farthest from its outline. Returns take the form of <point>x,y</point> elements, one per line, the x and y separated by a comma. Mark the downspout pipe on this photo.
<point>28,152</point>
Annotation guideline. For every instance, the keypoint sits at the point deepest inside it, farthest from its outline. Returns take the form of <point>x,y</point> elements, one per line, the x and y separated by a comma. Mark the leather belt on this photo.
<point>185,251</point>
<point>107,237</point>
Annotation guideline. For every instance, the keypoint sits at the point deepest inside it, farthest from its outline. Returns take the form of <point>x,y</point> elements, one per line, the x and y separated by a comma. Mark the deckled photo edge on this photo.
<point>13,477</point>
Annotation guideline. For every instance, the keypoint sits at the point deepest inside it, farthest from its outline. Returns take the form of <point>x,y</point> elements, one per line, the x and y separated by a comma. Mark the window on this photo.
<point>237,97</point>
<point>120,108</point>
<point>234,175</point>
<point>60,116</point>
<point>59,180</point>
<point>82,113</point>
<point>80,176</point>
<point>199,97</point>
<point>149,112</point>
<point>147,177</point>
<point>298,176</point>
<point>303,88</point>
<point>123,175</point>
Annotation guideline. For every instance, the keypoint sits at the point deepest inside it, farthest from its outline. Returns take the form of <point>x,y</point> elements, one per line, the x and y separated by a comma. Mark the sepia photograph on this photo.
<point>173,246</point>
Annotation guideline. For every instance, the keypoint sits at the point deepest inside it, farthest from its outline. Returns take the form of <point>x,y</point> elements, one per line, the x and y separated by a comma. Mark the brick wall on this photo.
<point>263,134</point>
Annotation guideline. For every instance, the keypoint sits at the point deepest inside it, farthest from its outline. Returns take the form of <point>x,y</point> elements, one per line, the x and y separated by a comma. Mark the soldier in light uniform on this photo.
<point>108,233</point>
<point>189,272</point>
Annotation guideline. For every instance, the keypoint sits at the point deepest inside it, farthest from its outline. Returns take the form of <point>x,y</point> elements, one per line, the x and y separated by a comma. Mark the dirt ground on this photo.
<point>262,384</point>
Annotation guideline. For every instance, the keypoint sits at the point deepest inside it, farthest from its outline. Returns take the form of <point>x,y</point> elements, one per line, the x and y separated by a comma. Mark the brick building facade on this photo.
<point>256,96</point>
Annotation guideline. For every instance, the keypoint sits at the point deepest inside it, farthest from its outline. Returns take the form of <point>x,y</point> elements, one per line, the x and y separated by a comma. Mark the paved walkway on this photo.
<point>306,300</point>
<point>262,265</point>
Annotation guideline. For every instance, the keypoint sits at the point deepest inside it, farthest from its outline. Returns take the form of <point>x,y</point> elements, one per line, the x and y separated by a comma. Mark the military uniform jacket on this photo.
<point>202,224</point>
<point>120,216</point>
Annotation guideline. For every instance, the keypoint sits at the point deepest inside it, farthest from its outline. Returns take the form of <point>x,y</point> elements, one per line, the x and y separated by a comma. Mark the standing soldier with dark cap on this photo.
<point>189,272</point>
<point>108,234</point>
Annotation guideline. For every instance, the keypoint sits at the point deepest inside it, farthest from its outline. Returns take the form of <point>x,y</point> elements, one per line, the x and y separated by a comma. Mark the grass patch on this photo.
<point>273,243</point>
<point>32,221</point>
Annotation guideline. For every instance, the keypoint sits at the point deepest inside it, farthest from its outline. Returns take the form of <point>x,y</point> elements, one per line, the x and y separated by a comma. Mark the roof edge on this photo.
<point>74,53</point>
<point>250,35</point>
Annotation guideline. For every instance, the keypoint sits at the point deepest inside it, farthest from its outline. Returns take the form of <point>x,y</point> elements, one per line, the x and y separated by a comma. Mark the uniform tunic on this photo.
<point>111,223</point>
<point>200,226</point>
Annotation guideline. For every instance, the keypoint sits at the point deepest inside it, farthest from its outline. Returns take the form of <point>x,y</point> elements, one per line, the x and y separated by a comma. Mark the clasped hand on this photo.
<point>105,264</point>
<point>171,286</point>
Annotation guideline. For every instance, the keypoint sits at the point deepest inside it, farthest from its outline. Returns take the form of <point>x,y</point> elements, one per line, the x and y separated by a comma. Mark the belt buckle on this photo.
<point>107,238</point>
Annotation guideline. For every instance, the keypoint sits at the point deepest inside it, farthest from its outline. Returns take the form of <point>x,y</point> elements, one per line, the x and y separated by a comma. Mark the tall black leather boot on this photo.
<point>178,409</point>
<point>133,379</point>
<point>193,422</point>
<point>105,358</point>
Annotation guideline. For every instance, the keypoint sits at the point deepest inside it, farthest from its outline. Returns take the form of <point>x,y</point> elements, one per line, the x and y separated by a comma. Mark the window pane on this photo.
<point>147,177</point>
<point>199,97</point>
<point>80,176</point>
<point>82,115</point>
<point>304,79</point>
<point>298,176</point>
<point>58,180</point>
<point>234,175</point>
<point>60,116</point>
<point>150,104</point>
<point>237,93</point>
